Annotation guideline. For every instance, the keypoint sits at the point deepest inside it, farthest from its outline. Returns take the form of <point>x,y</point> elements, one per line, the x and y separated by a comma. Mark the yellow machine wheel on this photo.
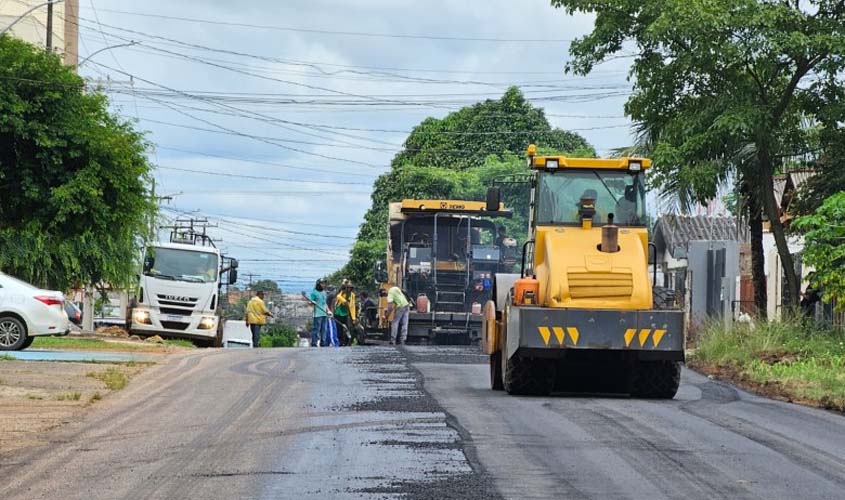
<point>489,334</point>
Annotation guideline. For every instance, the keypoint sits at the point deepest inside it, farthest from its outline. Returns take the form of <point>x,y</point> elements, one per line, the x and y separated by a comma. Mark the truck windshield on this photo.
<point>619,193</point>
<point>182,265</point>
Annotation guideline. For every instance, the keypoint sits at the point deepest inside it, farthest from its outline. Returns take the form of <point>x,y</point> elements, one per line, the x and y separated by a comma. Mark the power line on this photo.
<point>259,177</point>
<point>272,221</point>
<point>262,162</point>
<point>342,33</point>
<point>221,127</point>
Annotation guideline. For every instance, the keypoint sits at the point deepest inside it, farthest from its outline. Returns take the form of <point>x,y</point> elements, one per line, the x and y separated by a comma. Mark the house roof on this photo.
<point>674,232</point>
<point>780,187</point>
<point>799,177</point>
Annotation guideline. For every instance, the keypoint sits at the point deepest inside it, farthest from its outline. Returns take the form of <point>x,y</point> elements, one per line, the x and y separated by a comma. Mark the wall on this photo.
<point>33,28</point>
<point>774,272</point>
<point>701,280</point>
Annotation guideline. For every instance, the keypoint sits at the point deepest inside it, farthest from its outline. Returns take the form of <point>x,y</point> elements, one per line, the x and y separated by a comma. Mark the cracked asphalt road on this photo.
<point>419,423</point>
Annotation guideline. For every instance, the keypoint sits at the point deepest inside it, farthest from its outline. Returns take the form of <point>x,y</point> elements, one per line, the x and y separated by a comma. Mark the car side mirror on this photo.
<point>149,262</point>
<point>494,198</point>
<point>233,264</point>
<point>233,276</point>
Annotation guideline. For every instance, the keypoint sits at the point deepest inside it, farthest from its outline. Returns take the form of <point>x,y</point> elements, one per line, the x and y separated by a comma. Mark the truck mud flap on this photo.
<point>652,334</point>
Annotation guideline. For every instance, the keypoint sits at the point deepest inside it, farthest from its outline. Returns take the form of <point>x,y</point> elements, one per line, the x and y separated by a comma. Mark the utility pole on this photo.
<point>50,27</point>
<point>71,33</point>
<point>251,275</point>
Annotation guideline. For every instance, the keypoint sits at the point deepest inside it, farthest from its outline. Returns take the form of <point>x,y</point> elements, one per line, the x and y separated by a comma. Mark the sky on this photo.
<point>273,118</point>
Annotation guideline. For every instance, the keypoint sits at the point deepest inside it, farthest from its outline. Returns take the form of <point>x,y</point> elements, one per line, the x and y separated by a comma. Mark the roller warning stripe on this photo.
<point>570,336</point>
<point>560,334</point>
<point>642,336</point>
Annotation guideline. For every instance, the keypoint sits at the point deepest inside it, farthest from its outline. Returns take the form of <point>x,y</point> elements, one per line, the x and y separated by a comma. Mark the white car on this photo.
<point>27,312</point>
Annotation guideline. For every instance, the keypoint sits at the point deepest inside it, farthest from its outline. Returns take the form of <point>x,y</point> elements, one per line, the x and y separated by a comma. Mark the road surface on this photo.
<point>419,423</point>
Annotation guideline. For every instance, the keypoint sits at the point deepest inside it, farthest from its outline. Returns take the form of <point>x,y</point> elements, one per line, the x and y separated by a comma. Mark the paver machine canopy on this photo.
<point>443,255</point>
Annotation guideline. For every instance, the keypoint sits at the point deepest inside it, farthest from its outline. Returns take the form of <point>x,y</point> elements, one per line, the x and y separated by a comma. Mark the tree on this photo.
<point>237,310</point>
<point>457,157</point>
<point>266,286</point>
<point>824,238</point>
<point>723,85</point>
<point>74,180</point>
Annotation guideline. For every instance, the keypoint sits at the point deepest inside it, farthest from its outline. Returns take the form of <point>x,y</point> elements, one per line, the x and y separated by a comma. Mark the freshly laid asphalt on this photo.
<point>419,423</point>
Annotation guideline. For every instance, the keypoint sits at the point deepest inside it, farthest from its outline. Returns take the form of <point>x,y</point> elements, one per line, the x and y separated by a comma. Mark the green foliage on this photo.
<point>828,180</point>
<point>236,311</point>
<point>187,344</point>
<point>266,286</point>
<point>278,335</point>
<point>458,157</point>
<point>73,177</point>
<point>824,247</point>
<point>806,360</point>
<point>70,396</point>
<point>465,138</point>
<point>724,86</point>
<point>113,378</point>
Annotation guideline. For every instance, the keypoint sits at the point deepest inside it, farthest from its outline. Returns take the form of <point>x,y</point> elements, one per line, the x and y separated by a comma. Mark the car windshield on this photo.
<point>619,193</point>
<point>181,265</point>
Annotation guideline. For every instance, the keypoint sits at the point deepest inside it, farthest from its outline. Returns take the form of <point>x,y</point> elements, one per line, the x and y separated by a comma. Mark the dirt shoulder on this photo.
<point>36,396</point>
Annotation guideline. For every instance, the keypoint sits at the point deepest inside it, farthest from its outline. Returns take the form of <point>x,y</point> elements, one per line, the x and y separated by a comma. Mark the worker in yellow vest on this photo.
<point>256,316</point>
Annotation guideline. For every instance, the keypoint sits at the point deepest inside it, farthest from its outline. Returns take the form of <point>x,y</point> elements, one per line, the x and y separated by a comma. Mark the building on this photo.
<point>32,26</point>
<point>699,258</point>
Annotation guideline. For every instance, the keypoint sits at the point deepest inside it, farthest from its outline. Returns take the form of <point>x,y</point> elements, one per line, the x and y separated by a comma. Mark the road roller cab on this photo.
<point>584,295</point>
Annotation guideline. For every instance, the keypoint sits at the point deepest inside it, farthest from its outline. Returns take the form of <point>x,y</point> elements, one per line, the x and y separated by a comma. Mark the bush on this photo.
<point>278,336</point>
<point>798,360</point>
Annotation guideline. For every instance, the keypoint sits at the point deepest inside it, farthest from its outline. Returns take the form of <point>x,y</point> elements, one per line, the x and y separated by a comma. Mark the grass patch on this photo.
<point>71,396</point>
<point>33,396</point>
<point>114,379</point>
<point>180,343</point>
<point>794,360</point>
<point>6,357</point>
<point>85,344</point>
<point>278,336</point>
<point>95,397</point>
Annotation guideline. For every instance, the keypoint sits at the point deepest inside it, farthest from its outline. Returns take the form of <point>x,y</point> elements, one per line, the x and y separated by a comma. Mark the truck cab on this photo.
<point>179,293</point>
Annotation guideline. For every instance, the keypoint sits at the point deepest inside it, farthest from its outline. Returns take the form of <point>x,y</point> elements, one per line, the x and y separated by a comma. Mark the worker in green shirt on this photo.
<point>398,304</point>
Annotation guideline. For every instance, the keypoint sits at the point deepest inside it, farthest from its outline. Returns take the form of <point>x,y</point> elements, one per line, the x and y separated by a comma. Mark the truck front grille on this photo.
<point>178,301</point>
<point>600,285</point>
<point>173,310</point>
<point>173,325</point>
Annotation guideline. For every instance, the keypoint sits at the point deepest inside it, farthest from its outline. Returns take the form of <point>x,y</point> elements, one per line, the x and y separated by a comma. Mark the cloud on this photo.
<point>348,67</point>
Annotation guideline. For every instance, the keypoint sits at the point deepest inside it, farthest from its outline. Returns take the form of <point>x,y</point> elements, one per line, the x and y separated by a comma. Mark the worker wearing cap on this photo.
<point>256,316</point>
<point>345,310</point>
<point>399,305</point>
<point>317,297</point>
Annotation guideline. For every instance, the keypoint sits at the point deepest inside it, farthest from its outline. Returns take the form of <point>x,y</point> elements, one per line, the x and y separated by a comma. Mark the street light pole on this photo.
<point>28,12</point>
<point>128,44</point>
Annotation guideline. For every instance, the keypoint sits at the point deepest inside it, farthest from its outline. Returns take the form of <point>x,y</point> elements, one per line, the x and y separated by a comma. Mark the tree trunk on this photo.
<point>773,212</point>
<point>758,259</point>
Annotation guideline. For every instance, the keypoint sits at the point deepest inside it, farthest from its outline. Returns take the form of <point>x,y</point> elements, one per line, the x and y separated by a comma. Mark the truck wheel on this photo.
<point>218,339</point>
<point>656,379</point>
<point>529,377</point>
<point>496,371</point>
